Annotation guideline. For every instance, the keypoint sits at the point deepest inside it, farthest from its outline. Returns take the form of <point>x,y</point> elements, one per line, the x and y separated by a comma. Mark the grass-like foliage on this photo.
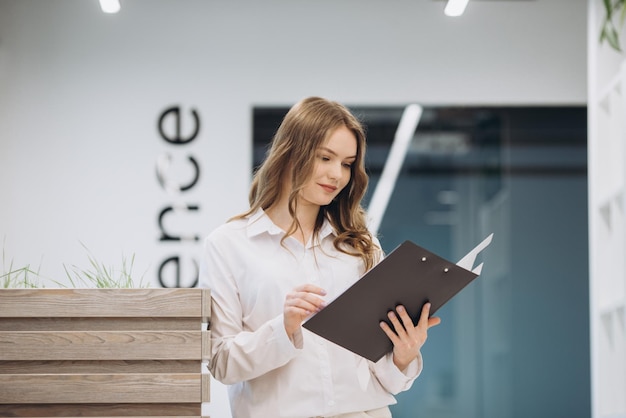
<point>96,275</point>
<point>23,277</point>
<point>101,276</point>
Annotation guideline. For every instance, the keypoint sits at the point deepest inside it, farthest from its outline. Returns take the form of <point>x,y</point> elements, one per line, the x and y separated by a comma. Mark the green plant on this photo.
<point>614,10</point>
<point>101,276</point>
<point>97,275</point>
<point>22,277</point>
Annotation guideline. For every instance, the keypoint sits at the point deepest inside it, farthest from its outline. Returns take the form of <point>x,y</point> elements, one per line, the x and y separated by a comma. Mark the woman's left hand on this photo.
<point>407,338</point>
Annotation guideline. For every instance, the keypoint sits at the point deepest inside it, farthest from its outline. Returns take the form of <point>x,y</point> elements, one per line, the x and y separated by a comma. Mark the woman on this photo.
<point>302,242</point>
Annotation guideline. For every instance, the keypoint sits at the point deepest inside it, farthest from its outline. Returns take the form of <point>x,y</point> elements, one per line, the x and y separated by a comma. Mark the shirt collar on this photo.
<point>259,222</point>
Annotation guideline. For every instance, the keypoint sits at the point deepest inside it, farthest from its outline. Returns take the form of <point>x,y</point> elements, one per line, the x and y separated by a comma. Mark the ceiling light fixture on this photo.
<point>110,6</point>
<point>455,7</point>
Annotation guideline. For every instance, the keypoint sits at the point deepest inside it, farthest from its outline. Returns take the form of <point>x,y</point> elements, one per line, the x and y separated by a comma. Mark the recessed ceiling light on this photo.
<point>455,7</point>
<point>110,6</point>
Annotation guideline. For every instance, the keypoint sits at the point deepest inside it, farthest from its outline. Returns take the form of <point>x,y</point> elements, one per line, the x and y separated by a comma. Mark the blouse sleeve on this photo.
<point>393,379</point>
<point>238,354</point>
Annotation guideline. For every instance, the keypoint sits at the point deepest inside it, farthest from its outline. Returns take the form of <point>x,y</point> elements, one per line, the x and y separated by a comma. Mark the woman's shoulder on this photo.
<point>229,230</point>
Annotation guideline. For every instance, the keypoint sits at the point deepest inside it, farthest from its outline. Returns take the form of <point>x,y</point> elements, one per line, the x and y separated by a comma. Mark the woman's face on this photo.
<point>332,168</point>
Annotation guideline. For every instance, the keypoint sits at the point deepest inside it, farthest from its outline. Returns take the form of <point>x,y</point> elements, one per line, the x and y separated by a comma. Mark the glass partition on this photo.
<point>515,342</point>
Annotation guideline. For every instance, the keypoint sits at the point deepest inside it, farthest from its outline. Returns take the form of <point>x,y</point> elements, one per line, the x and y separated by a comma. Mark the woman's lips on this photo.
<point>329,188</point>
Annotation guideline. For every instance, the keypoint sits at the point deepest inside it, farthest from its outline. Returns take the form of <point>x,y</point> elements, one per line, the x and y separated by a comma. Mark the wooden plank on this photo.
<point>101,345</point>
<point>206,306</point>
<point>103,352</point>
<point>101,302</point>
<point>153,410</point>
<point>94,367</point>
<point>100,388</point>
<point>206,387</point>
<point>206,345</point>
<point>100,324</point>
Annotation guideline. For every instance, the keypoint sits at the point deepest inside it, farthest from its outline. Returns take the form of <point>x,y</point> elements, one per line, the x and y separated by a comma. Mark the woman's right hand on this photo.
<point>300,303</point>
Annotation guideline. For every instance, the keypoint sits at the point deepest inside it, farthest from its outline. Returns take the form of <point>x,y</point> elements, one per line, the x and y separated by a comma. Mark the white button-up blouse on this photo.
<point>249,273</point>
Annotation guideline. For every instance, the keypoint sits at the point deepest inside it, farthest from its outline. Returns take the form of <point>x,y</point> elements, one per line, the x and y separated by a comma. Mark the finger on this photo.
<point>423,321</point>
<point>310,298</point>
<point>407,322</point>
<point>309,292</point>
<point>305,304</point>
<point>433,320</point>
<point>311,288</point>
<point>392,335</point>
<point>399,328</point>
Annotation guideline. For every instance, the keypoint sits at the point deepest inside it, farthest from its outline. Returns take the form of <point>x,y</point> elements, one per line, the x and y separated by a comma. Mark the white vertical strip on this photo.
<point>378,205</point>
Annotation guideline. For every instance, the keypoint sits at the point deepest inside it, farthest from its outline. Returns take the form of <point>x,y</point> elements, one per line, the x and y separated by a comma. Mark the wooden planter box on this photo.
<point>103,352</point>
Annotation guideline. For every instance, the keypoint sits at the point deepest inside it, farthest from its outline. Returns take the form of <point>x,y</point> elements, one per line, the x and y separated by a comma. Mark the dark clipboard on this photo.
<point>411,276</point>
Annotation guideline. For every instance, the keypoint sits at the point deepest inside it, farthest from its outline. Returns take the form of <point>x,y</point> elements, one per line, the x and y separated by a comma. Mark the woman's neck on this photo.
<point>306,215</point>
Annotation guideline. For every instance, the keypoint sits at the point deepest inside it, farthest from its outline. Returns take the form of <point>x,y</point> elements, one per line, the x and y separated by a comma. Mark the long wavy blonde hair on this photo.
<point>304,129</point>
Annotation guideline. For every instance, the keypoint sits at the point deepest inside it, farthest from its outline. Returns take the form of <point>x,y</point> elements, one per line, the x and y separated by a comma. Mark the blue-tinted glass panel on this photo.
<point>515,342</point>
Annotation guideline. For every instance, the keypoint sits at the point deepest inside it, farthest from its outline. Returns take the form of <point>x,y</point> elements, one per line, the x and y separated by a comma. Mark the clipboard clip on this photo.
<point>445,270</point>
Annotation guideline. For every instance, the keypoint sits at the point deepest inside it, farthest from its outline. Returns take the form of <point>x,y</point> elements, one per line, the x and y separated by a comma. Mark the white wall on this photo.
<point>81,93</point>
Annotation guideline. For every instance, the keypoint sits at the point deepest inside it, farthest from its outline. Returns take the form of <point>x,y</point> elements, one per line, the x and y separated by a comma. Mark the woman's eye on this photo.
<point>347,165</point>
